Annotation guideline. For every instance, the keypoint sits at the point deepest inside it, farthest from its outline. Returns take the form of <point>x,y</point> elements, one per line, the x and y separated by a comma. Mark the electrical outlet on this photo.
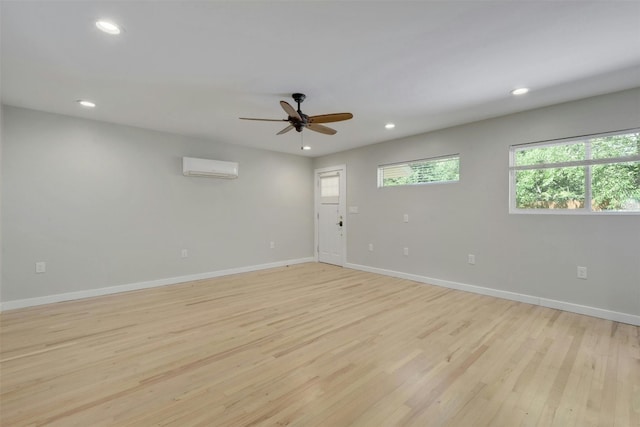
<point>370,247</point>
<point>272,244</point>
<point>471,259</point>
<point>582,272</point>
<point>405,218</point>
<point>184,253</point>
<point>406,251</point>
<point>41,267</point>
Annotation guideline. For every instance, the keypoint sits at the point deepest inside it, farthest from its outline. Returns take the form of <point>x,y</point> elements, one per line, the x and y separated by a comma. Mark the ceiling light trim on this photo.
<point>86,103</point>
<point>520,91</point>
<point>108,26</point>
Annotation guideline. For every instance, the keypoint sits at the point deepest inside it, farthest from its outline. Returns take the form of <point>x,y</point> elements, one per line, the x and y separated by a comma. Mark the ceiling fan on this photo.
<point>298,120</point>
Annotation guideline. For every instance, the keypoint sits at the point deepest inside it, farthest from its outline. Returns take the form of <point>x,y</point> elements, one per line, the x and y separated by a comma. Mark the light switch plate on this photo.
<point>41,267</point>
<point>582,273</point>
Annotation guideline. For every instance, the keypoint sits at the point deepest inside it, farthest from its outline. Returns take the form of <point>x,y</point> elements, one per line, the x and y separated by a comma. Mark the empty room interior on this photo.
<point>320,213</point>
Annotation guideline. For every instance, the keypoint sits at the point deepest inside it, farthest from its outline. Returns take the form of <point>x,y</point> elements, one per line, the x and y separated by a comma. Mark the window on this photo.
<point>595,174</point>
<point>425,171</point>
<point>330,185</point>
<point>330,188</point>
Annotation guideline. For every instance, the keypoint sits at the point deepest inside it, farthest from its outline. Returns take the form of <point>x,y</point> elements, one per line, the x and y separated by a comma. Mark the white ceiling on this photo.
<point>194,67</point>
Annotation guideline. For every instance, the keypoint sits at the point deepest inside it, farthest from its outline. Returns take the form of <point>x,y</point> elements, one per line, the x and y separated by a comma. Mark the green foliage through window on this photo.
<point>442,169</point>
<point>600,174</point>
<point>550,188</point>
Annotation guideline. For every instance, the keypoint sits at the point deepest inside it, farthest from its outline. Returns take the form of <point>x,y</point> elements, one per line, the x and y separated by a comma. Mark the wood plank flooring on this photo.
<point>314,345</point>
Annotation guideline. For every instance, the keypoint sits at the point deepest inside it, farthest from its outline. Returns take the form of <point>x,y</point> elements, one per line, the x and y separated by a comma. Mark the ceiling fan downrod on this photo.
<point>299,125</point>
<point>299,97</point>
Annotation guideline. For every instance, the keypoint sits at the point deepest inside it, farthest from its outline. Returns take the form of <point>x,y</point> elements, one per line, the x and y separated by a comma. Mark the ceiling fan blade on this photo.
<point>322,129</point>
<point>328,118</point>
<point>291,112</point>
<point>285,130</point>
<point>264,120</point>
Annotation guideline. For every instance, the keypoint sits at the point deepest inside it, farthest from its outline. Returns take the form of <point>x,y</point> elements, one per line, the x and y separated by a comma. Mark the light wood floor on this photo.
<point>314,345</point>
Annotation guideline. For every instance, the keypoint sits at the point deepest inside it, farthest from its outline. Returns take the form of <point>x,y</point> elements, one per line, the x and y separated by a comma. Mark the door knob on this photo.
<point>339,223</point>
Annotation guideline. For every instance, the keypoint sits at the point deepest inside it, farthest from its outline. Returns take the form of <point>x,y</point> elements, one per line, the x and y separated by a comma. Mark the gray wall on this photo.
<point>107,205</point>
<point>529,254</point>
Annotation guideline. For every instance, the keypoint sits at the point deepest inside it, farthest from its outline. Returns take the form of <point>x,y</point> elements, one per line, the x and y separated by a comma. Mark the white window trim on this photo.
<point>409,162</point>
<point>587,162</point>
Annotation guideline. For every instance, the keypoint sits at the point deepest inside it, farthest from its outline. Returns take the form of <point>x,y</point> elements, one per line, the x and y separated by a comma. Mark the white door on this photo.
<point>330,201</point>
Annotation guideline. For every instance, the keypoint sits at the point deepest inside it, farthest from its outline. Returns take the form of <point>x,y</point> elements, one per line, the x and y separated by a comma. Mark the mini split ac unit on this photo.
<point>211,168</point>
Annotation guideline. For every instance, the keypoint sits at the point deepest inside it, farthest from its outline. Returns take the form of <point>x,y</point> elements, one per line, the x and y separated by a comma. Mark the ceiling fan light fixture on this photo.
<point>300,121</point>
<point>108,27</point>
<point>389,126</point>
<point>520,91</point>
<point>86,103</point>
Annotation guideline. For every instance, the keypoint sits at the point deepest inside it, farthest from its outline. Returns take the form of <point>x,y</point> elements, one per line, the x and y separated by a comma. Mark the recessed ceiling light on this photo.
<point>108,27</point>
<point>306,147</point>
<point>85,103</point>
<point>389,126</point>
<point>520,91</point>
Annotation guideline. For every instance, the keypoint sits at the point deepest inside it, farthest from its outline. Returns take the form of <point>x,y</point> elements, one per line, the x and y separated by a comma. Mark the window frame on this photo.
<point>380,168</point>
<point>587,163</point>
<point>334,199</point>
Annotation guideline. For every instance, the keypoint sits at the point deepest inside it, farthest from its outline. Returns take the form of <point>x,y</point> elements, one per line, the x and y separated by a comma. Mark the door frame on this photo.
<point>342,202</point>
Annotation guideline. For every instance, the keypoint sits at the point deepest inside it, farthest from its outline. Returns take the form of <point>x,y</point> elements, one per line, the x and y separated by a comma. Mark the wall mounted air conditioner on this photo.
<point>211,168</point>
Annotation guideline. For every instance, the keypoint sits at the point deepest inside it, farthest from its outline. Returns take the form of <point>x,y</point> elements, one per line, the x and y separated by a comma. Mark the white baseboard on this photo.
<point>69,296</point>
<point>529,299</point>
